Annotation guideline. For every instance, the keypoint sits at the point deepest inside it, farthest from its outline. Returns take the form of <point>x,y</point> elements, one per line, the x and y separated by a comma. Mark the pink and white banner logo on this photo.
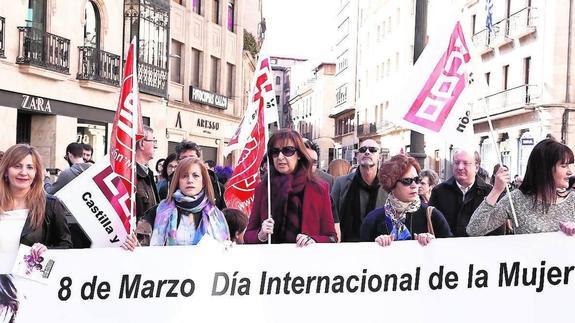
<point>432,106</point>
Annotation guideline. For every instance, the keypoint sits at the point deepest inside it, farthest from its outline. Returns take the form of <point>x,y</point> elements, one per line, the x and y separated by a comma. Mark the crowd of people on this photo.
<point>376,201</point>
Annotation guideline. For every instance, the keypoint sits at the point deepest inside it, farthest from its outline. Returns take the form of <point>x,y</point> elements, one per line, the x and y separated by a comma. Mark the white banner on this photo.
<point>527,278</point>
<point>97,198</point>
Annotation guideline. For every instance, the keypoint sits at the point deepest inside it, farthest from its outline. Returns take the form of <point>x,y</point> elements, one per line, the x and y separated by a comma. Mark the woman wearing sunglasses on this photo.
<point>404,216</point>
<point>300,204</point>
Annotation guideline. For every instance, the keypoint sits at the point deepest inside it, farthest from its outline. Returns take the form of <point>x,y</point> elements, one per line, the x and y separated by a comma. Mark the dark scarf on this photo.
<point>350,219</point>
<point>287,200</point>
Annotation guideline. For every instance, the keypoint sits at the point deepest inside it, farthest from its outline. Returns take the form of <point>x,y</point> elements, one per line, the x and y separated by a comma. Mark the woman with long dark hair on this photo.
<point>543,202</point>
<point>168,168</point>
<point>300,204</point>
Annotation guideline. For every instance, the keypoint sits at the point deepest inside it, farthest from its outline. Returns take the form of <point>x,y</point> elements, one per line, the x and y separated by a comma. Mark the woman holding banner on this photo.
<point>27,214</point>
<point>188,212</point>
<point>300,204</point>
<point>543,202</point>
<point>403,216</point>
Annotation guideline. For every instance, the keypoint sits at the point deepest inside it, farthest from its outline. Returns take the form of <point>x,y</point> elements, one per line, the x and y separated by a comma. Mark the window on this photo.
<point>231,18</point>
<point>526,69</point>
<point>176,62</point>
<point>36,14</point>
<point>473,22</point>
<point>505,76</point>
<point>341,95</point>
<point>231,79</point>
<point>278,80</point>
<point>487,77</point>
<point>197,6</point>
<point>216,11</point>
<point>278,101</point>
<point>92,25</point>
<point>215,66</point>
<point>196,67</point>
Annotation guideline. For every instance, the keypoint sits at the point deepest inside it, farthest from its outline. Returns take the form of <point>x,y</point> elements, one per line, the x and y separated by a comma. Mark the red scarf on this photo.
<point>287,203</point>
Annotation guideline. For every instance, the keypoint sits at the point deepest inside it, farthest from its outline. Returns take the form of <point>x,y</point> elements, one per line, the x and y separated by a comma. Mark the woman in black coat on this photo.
<point>403,216</point>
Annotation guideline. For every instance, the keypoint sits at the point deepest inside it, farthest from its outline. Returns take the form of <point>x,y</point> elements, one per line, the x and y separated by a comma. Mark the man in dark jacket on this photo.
<point>459,196</point>
<point>358,193</point>
<point>74,153</point>
<point>187,149</point>
<point>146,192</point>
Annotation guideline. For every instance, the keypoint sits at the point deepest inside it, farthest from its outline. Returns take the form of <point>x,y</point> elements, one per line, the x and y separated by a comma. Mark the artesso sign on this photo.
<point>209,98</point>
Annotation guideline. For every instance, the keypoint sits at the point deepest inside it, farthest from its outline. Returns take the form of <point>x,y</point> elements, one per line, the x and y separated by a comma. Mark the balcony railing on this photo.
<point>521,21</point>
<point>152,79</point>
<point>367,129</point>
<point>98,65</point>
<point>43,49</point>
<point>2,36</point>
<point>513,98</point>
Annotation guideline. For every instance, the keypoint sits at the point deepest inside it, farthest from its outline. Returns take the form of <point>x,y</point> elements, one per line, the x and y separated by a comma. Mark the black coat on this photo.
<point>448,198</point>
<point>374,224</point>
<point>54,232</point>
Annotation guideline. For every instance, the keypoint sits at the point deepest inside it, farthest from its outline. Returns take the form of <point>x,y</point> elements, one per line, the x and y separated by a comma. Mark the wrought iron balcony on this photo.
<point>510,99</point>
<point>2,36</point>
<point>153,79</point>
<point>366,129</point>
<point>517,23</point>
<point>98,65</point>
<point>46,50</point>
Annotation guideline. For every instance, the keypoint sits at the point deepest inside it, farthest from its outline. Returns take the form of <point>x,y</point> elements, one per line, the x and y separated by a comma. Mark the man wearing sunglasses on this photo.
<point>357,194</point>
<point>459,196</point>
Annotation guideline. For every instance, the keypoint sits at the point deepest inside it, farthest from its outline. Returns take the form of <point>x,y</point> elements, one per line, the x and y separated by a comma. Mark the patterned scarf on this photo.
<point>212,221</point>
<point>395,215</point>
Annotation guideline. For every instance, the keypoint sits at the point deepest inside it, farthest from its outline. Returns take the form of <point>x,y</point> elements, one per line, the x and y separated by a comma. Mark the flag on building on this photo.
<point>250,138</point>
<point>489,16</point>
<point>435,98</point>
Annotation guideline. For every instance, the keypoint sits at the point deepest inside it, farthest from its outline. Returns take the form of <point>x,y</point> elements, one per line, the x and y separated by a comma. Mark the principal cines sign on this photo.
<point>209,98</point>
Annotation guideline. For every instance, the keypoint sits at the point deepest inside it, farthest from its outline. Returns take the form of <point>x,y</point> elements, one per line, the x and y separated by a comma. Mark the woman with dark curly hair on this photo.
<point>8,300</point>
<point>403,216</point>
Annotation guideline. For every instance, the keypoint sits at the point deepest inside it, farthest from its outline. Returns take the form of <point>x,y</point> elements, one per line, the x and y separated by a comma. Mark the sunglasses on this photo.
<point>408,181</point>
<point>287,151</point>
<point>372,150</point>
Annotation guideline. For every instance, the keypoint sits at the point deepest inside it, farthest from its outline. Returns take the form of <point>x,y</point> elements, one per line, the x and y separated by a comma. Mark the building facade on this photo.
<point>282,74</point>
<point>528,65</point>
<point>61,64</point>
<point>207,86</point>
<point>346,81</point>
<point>311,107</point>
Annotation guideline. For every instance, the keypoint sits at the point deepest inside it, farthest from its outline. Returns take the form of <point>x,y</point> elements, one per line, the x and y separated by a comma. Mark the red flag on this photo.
<point>127,129</point>
<point>240,188</point>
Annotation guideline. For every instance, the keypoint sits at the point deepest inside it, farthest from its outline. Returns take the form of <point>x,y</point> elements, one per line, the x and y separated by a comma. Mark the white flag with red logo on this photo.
<point>250,137</point>
<point>437,96</point>
<point>127,129</point>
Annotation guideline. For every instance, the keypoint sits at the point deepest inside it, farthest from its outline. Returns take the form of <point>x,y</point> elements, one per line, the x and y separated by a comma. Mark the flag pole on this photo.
<point>500,159</point>
<point>267,137</point>
<point>135,117</point>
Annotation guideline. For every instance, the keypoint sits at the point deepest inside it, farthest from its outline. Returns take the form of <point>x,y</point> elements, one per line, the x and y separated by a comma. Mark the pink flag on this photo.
<point>250,136</point>
<point>436,98</point>
<point>127,129</point>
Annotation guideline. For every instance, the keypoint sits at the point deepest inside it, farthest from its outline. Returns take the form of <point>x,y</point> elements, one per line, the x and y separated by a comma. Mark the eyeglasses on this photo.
<point>408,181</point>
<point>372,150</point>
<point>287,151</point>
<point>155,141</point>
